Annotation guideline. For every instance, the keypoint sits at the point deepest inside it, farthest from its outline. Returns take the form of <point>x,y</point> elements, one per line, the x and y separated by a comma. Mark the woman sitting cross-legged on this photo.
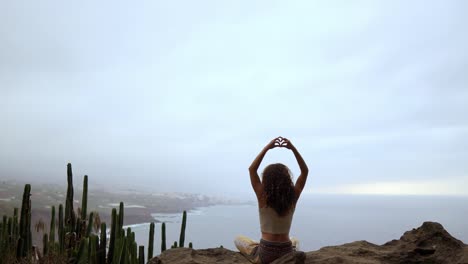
<point>277,197</point>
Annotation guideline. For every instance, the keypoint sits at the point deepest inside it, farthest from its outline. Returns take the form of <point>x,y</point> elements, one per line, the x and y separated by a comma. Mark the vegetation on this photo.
<point>76,242</point>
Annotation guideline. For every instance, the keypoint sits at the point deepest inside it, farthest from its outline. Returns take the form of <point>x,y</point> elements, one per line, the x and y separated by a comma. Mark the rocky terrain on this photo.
<point>430,243</point>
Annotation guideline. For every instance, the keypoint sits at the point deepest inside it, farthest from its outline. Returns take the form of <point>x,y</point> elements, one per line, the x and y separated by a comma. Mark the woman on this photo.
<point>277,197</point>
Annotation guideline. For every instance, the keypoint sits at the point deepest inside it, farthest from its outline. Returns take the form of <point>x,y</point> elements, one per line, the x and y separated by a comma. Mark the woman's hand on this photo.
<point>276,142</point>
<point>285,143</point>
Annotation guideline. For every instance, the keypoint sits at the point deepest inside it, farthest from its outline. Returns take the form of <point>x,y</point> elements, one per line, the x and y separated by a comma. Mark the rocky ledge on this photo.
<point>430,243</point>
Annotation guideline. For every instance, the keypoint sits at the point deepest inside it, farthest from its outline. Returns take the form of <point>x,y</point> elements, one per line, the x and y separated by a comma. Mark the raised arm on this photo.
<point>254,179</point>
<point>301,180</point>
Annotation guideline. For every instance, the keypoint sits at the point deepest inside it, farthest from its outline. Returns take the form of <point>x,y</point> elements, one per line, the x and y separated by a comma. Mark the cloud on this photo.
<point>171,93</point>
<point>445,186</point>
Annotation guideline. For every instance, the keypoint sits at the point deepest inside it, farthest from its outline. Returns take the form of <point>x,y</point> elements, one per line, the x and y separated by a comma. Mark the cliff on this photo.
<point>430,243</point>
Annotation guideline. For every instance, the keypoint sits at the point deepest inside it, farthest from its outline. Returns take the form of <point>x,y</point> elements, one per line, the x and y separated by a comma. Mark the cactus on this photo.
<point>52,229</point>
<point>113,236</point>
<point>163,237</point>
<point>5,236</point>
<point>102,244</point>
<point>9,231</point>
<point>151,241</point>
<point>134,254</point>
<point>93,244</point>
<point>24,243</point>
<point>45,245</point>
<point>75,235</point>
<point>70,217</point>
<point>82,256</point>
<point>84,199</point>
<point>120,247</point>
<point>130,247</point>
<point>182,229</point>
<point>121,216</point>
<point>61,229</point>
<point>141,255</point>
<point>90,224</point>
<point>15,224</point>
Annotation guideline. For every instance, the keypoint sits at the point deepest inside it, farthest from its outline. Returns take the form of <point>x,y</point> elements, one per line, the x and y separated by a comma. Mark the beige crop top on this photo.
<point>271,222</point>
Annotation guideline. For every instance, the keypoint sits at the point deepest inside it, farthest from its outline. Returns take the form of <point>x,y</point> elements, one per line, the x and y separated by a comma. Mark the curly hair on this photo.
<point>278,188</point>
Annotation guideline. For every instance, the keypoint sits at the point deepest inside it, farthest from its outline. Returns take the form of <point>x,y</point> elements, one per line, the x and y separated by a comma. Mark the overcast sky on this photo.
<point>182,95</point>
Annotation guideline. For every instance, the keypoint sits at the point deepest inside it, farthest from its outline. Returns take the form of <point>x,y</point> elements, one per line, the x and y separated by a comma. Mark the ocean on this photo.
<point>319,220</point>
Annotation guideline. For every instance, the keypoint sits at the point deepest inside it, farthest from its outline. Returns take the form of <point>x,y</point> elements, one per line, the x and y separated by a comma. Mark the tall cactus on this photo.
<point>82,256</point>
<point>24,242</point>
<point>102,244</point>
<point>182,229</point>
<point>15,227</point>
<point>141,255</point>
<point>151,241</point>
<point>121,216</point>
<point>84,199</point>
<point>163,237</point>
<point>90,224</point>
<point>61,230</point>
<point>52,229</point>
<point>45,245</point>
<point>5,234</point>
<point>70,217</point>
<point>74,233</point>
<point>113,236</point>
<point>93,243</point>
<point>120,248</point>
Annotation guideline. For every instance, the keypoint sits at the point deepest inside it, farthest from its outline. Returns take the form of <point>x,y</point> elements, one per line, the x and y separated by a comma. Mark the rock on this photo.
<point>209,256</point>
<point>430,243</point>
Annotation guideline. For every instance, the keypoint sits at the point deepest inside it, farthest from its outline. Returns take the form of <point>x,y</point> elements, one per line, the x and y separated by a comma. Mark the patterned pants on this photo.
<point>264,251</point>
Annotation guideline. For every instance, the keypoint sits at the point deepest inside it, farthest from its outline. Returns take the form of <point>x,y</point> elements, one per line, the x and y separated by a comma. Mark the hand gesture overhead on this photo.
<point>280,142</point>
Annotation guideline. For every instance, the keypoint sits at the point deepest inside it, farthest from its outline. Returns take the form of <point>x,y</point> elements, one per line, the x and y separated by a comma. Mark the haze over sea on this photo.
<point>319,220</point>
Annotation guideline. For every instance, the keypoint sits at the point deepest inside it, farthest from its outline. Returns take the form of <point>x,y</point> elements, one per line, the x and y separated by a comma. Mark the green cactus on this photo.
<point>52,228</point>
<point>141,255</point>
<point>45,245</point>
<point>90,224</point>
<point>121,216</point>
<point>84,199</point>
<point>182,229</point>
<point>74,233</point>
<point>15,224</point>
<point>102,244</point>
<point>61,230</point>
<point>9,231</point>
<point>70,217</point>
<point>120,248</point>
<point>163,237</point>
<point>113,236</point>
<point>24,243</point>
<point>134,254</point>
<point>151,241</point>
<point>82,255</point>
<point>5,236</point>
<point>129,233</point>
<point>93,244</point>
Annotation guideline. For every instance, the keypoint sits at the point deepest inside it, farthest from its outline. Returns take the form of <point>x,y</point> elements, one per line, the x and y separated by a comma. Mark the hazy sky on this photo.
<point>182,95</point>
